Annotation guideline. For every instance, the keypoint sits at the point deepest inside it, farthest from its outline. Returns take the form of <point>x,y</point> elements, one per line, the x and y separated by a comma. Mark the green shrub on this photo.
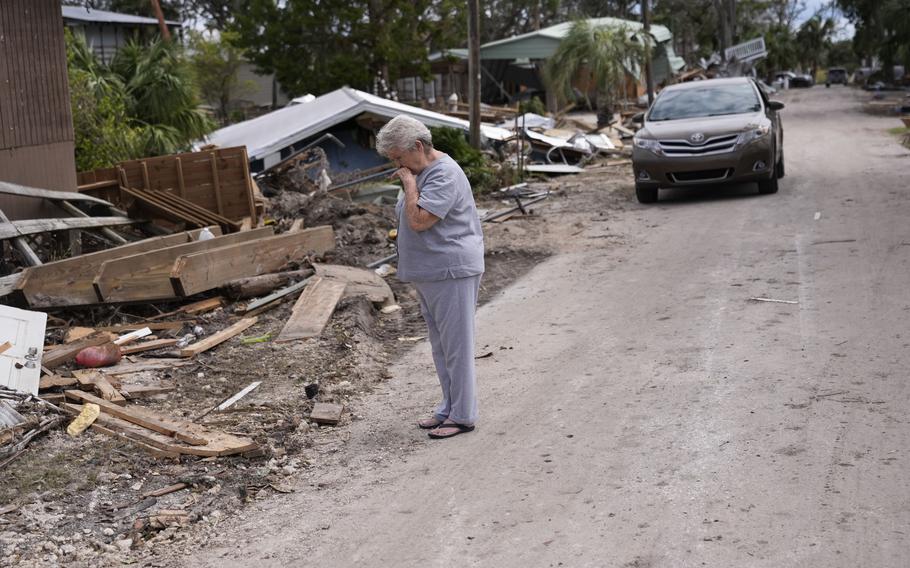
<point>476,166</point>
<point>534,105</point>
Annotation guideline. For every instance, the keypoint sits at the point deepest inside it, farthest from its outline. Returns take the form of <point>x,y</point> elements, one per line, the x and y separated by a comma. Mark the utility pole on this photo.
<point>474,71</point>
<point>646,24</point>
<point>165,33</point>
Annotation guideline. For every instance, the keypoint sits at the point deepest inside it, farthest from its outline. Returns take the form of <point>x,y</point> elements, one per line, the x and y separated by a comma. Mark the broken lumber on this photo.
<point>313,309</point>
<point>203,271</point>
<point>359,281</point>
<point>156,365</point>
<point>217,443</point>
<point>326,413</point>
<point>67,352</point>
<point>217,338</point>
<point>6,345</point>
<point>97,381</point>
<point>51,381</point>
<point>147,276</point>
<point>14,229</point>
<point>141,417</point>
<point>69,282</point>
<point>149,346</point>
<point>146,391</point>
<point>254,286</point>
<point>271,300</point>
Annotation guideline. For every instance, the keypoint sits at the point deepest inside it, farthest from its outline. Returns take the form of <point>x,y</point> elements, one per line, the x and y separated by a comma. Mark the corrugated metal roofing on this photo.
<point>8,416</point>
<point>269,133</point>
<point>84,14</point>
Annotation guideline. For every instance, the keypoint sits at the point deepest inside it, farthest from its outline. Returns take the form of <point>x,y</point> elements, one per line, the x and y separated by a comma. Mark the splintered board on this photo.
<point>313,309</point>
<point>147,276</point>
<point>69,282</point>
<point>201,271</point>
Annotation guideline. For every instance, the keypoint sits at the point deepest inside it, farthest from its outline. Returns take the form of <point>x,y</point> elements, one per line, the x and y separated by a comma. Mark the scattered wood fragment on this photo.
<point>165,490</point>
<point>97,381</point>
<point>67,352</point>
<point>297,225</point>
<point>141,417</point>
<point>772,300</point>
<point>270,301</point>
<point>84,419</point>
<point>6,345</point>
<point>359,281</point>
<point>77,333</point>
<point>133,336</point>
<point>326,413</point>
<point>51,381</point>
<point>254,286</point>
<point>154,326</point>
<point>145,391</point>
<point>156,365</point>
<point>149,346</point>
<point>215,339</point>
<point>230,401</point>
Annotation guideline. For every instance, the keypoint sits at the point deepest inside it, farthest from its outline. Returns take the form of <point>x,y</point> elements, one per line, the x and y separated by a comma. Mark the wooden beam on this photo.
<point>20,244</point>
<point>313,309</point>
<point>149,346</point>
<point>75,211</point>
<point>68,282</point>
<point>181,186</point>
<point>142,417</point>
<point>147,276</point>
<point>12,229</point>
<point>244,159</point>
<point>216,339</point>
<point>97,381</point>
<point>360,282</point>
<point>216,184</point>
<point>168,325</point>
<point>203,271</point>
<point>24,191</point>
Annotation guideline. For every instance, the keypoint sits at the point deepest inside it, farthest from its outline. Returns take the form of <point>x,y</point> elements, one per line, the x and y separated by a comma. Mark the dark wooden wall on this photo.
<point>36,126</point>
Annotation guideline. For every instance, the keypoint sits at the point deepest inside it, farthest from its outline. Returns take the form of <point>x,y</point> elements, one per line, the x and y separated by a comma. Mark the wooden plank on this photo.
<point>21,245</point>
<point>6,345</point>
<point>144,391</point>
<point>77,333</point>
<point>147,276</point>
<point>217,186</point>
<point>181,186</point>
<point>155,207</point>
<point>142,417</point>
<point>251,201</point>
<point>149,346</point>
<point>194,308</point>
<point>13,229</point>
<point>262,304</point>
<point>326,413</point>
<point>154,326</point>
<point>60,355</point>
<point>51,381</point>
<point>109,233</point>
<point>216,339</point>
<point>191,207</point>
<point>8,188</point>
<point>8,284</point>
<point>360,282</point>
<point>313,309</point>
<point>142,366</point>
<point>154,442</point>
<point>97,381</point>
<point>203,271</point>
<point>165,490</point>
<point>69,282</point>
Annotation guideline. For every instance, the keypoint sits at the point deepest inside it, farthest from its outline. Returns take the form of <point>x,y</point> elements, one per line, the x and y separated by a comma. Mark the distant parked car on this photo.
<point>708,132</point>
<point>836,75</point>
<point>802,82</point>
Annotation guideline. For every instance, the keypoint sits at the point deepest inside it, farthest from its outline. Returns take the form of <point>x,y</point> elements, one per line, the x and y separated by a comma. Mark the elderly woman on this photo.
<point>440,251</point>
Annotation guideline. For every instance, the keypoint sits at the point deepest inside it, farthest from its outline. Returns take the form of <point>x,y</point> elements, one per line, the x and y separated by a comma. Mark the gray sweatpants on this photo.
<point>448,307</point>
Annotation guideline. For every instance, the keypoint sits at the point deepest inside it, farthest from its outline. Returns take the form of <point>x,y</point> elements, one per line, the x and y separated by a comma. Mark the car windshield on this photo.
<point>709,100</point>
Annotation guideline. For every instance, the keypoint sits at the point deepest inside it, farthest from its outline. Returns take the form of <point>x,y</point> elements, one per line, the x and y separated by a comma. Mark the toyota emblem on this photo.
<point>697,137</point>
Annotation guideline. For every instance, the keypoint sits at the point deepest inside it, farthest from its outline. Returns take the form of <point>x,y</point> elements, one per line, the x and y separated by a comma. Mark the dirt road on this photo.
<point>639,410</point>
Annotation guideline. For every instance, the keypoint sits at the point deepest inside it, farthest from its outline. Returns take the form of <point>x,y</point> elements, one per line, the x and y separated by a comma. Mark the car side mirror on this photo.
<point>638,118</point>
<point>775,105</point>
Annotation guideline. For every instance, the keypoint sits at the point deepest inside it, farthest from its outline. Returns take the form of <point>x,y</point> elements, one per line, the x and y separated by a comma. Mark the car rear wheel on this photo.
<point>645,194</point>
<point>766,186</point>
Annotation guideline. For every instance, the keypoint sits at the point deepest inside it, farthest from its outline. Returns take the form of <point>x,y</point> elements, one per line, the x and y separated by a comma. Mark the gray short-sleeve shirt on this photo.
<point>453,246</point>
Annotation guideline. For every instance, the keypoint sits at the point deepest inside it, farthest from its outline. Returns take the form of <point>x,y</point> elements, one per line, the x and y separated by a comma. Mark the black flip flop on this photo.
<point>433,427</point>
<point>459,429</point>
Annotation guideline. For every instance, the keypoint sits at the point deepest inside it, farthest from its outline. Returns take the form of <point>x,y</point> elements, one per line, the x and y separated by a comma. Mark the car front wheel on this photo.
<point>779,167</point>
<point>645,194</point>
<point>766,186</point>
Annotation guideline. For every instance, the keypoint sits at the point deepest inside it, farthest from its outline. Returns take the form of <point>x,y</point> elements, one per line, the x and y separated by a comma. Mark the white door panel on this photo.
<point>20,365</point>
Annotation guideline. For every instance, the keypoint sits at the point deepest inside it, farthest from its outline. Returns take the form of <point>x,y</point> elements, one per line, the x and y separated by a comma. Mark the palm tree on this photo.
<point>813,38</point>
<point>163,97</point>
<point>606,53</point>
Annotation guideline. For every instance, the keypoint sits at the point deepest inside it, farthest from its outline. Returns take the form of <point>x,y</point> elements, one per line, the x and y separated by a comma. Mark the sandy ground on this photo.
<point>638,409</point>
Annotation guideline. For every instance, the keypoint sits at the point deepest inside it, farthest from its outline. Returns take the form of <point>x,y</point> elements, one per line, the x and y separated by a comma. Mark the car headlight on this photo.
<point>648,144</point>
<point>754,134</point>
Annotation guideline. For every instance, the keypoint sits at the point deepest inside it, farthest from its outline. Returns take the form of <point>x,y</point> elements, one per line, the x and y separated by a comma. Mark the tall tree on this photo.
<point>216,62</point>
<point>814,39</point>
<point>882,29</point>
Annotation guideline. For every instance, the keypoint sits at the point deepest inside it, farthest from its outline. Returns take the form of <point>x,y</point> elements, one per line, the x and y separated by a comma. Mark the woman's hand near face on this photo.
<point>408,181</point>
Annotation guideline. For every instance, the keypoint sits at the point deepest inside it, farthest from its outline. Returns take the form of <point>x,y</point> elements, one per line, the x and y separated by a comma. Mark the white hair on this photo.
<point>403,133</point>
